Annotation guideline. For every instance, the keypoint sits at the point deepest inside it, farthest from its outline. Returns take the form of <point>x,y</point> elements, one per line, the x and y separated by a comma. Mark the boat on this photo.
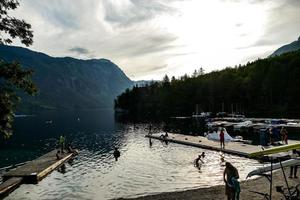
<point>215,136</point>
<point>274,150</point>
<point>268,168</point>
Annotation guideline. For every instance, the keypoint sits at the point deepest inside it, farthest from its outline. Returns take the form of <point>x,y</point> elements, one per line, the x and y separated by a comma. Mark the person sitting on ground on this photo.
<point>231,176</point>
<point>117,154</point>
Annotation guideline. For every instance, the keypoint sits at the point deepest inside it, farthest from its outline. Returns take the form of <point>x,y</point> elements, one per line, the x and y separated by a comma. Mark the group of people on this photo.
<point>63,146</point>
<point>277,134</point>
<point>230,176</point>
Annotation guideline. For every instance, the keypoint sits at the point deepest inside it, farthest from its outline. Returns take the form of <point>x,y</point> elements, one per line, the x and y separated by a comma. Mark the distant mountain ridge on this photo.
<point>294,46</point>
<point>68,83</point>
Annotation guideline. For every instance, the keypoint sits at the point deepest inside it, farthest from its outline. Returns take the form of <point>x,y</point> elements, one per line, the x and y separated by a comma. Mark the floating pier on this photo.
<point>33,171</point>
<point>235,147</point>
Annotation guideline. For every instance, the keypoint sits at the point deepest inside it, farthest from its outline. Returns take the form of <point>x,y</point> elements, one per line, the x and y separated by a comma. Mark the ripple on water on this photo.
<point>141,170</point>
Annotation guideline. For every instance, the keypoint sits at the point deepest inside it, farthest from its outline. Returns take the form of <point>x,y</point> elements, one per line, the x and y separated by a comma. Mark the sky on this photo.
<point>150,38</point>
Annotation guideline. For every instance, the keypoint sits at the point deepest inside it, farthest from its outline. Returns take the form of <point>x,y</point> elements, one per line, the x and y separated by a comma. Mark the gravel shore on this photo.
<point>260,184</point>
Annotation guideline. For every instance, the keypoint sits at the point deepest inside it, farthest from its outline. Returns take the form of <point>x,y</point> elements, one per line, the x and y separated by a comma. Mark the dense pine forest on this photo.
<point>264,88</point>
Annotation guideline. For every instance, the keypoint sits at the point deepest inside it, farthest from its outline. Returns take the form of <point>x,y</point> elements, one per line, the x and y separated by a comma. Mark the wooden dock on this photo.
<point>235,148</point>
<point>32,171</point>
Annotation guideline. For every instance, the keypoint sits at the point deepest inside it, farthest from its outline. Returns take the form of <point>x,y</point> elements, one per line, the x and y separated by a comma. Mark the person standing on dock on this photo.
<point>222,139</point>
<point>232,187</point>
<point>272,136</point>
<point>284,135</point>
<point>62,140</point>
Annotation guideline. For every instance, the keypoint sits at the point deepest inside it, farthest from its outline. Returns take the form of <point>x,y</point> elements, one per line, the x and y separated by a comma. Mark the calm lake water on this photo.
<point>94,174</point>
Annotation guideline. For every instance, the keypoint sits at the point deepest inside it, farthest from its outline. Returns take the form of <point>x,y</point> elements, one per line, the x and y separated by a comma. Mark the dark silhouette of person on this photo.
<point>62,169</point>
<point>222,139</point>
<point>293,169</point>
<point>198,160</point>
<point>57,155</point>
<point>230,176</point>
<point>117,154</point>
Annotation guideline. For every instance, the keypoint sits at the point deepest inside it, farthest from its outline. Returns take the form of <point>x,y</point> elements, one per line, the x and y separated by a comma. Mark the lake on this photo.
<point>94,174</point>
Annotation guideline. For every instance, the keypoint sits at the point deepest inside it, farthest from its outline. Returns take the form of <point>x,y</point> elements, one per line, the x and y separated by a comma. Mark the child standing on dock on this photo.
<point>62,140</point>
<point>222,139</point>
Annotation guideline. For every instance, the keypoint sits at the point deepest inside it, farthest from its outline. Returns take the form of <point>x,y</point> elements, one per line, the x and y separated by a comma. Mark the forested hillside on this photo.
<point>267,87</point>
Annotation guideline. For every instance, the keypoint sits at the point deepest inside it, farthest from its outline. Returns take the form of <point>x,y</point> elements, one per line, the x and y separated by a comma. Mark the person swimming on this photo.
<point>222,159</point>
<point>198,160</point>
<point>117,154</point>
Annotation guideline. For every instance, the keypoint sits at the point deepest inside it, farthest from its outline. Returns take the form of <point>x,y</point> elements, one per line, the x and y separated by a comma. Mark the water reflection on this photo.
<point>34,135</point>
<point>144,167</point>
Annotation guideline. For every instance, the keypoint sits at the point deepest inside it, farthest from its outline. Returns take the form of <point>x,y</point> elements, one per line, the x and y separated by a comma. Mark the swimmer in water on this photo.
<point>222,159</point>
<point>198,160</point>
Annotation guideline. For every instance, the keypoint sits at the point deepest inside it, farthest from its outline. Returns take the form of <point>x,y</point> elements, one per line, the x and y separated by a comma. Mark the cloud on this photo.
<point>280,27</point>
<point>80,50</point>
<point>150,38</point>
<point>128,12</point>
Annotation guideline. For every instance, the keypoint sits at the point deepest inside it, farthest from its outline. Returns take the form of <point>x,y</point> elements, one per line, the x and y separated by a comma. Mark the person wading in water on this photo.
<point>232,186</point>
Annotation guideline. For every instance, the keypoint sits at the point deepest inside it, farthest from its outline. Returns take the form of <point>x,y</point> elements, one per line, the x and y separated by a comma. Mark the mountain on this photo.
<point>68,83</point>
<point>294,46</point>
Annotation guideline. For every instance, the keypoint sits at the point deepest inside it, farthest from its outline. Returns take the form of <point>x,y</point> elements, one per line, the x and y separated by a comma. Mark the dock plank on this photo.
<point>235,148</point>
<point>10,185</point>
<point>37,169</point>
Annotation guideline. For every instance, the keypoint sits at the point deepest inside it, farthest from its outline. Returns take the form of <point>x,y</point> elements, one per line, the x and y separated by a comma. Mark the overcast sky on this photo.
<point>150,38</point>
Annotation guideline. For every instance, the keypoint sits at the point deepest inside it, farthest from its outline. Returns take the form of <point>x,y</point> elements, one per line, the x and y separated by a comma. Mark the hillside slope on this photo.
<point>68,83</point>
<point>294,46</point>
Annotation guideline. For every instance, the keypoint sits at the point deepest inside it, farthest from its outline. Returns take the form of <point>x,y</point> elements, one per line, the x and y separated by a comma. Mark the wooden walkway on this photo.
<point>32,171</point>
<point>235,148</point>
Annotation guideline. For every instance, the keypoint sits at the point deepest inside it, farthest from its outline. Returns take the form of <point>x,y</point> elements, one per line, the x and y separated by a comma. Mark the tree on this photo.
<point>201,71</point>
<point>12,76</point>
<point>13,27</point>
<point>166,80</point>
